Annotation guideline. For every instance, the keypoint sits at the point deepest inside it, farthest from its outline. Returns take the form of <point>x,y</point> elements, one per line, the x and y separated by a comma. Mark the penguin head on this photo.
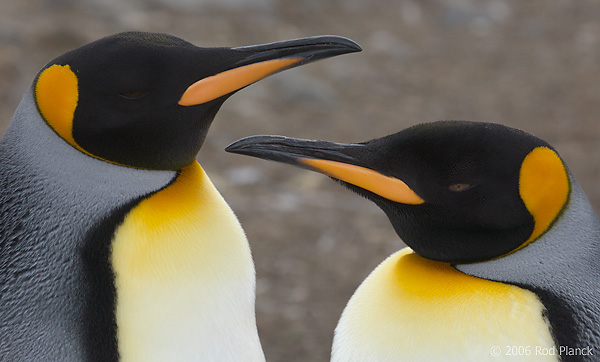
<point>455,191</point>
<point>147,100</point>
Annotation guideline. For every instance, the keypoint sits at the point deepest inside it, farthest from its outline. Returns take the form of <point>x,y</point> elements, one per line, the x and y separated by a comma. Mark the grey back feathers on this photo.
<point>58,210</point>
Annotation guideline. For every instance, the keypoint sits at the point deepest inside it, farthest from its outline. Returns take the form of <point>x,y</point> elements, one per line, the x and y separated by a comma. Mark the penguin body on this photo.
<point>114,244</point>
<point>57,207</point>
<point>504,248</point>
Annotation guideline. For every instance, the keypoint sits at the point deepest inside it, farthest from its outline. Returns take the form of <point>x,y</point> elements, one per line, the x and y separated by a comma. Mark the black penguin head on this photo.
<point>454,191</point>
<point>147,100</point>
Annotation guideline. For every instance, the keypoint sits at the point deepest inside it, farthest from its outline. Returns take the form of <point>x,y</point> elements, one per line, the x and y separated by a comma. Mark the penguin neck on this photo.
<point>569,248</point>
<point>184,277</point>
<point>562,267</point>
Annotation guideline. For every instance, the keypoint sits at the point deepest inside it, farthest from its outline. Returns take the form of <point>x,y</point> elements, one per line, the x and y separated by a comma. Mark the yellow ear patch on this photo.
<point>544,188</point>
<point>56,95</point>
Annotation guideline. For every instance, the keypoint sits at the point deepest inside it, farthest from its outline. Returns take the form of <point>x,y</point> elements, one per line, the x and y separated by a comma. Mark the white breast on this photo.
<point>185,278</point>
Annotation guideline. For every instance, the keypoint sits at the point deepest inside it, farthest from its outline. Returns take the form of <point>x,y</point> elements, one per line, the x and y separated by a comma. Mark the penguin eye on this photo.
<point>134,94</point>
<point>459,187</point>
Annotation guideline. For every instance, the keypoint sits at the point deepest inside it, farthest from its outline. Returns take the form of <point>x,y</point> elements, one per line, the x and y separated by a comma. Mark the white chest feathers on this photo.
<point>185,278</point>
<point>413,309</point>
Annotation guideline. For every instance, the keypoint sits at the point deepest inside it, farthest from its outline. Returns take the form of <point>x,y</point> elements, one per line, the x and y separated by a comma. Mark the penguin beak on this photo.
<point>341,161</point>
<point>260,61</point>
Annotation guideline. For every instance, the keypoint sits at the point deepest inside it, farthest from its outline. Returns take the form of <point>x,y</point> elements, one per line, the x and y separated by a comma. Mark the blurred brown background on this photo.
<point>532,64</point>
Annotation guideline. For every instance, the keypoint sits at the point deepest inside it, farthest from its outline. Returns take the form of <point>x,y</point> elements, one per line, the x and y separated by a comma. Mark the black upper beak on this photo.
<point>292,150</point>
<point>309,49</point>
<point>256,62</point>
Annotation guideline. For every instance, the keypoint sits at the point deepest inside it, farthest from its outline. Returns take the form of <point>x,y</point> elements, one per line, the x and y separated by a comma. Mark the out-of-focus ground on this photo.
<point>532,64</point>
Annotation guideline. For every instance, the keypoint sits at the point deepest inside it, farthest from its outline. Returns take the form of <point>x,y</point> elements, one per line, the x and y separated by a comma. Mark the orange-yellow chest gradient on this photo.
<point>414,309</point>
<point>184,275</point>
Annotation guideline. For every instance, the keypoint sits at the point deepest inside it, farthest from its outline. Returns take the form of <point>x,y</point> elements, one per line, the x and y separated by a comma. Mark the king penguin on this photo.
<point>114,244</point>
<point>503,257</point>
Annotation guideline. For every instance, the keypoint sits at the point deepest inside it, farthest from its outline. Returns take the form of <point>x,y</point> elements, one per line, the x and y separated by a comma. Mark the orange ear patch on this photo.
<point>56,95</point>
<point>544,188</point>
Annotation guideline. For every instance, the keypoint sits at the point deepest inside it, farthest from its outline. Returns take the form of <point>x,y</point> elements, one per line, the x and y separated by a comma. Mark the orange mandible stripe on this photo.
<point>385,186</point>
<point>210,88</point>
